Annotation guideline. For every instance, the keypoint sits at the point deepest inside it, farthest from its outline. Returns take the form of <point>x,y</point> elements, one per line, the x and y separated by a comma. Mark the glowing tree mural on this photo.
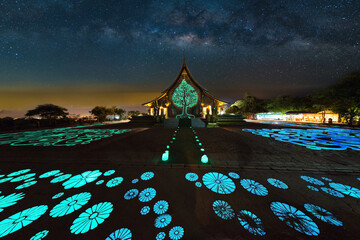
<point>185,96</point>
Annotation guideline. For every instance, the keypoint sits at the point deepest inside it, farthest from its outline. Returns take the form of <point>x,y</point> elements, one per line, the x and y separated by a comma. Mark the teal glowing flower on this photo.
<point>132,193</point>
<point>40,235</point>
<point>61,178</point>
<point>29,179</point>
<point>277,183</point>
<point>254,187</point>
<point>25,185</point>
<point>176,233</point>
<point>120,234</point>
<point>108,173</point>
<point>49,174</point>
<point>23,177</point>
<point>81,179</point>
<point>192,177</point>
<point>71,204</point>
<point>147,176</point>
<point>251,222</point>
<point>114,182</point>
<point>91,218</point>
<point>313,188</point>
<point>312,180</point>
<point>322,214</point>
<point>198,184</point>
<point>21,219</point>
<point>223,209</point>
<point>57,195</point>
<point>160,236</point>
<point>218,182</point>
<point>147,195</point>
<point>145,210</point>
<point>17,173</point>
<point>9,200</point>
<point>345,189</point>
<point>234,175</point>
<point>59,174</point>
<point>161,207</point>
<point>332,192</point>
<point>163,220</point>
<point>135,180</point>
<point>5,179</point>
<point>100,182</point>
<point>326,179</point>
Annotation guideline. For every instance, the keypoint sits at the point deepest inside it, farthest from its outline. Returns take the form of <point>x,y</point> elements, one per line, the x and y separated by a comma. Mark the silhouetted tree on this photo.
<point>101,112</point>
<point>48,111</point>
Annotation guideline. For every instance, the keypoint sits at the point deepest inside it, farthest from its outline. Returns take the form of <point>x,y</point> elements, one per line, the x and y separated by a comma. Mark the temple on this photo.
<point>185,98</point>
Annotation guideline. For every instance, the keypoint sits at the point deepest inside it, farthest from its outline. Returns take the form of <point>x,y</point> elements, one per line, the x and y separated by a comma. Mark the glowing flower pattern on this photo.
<point>277,183</point>
<point>132,193</point>
<point>23,177</point>
<point>81,179</point>
<point>332,192</point>
<point>9,200</point>
<point>91,218</point>
<point>223,209</point>
<point>251,222</point>
<point>147,194</point>
<point>312,188</point>
<point>120,234</point>
<point>254,187</point>
<point>21,219</point>
<point>198,184</point>
<point>160,236</point>
<point>295,218</point>
<point>114,182</point>
<point>234,175</point>
<point>49,174</point>
<point>25,185</point>
<point>135,180</point>
<point>176,233</point>
<point>147,176</point>
<point>145,210</point>
<point>322,214</point>
<point>70,205</point>
<point>108,173</point>
<point>17,173</point>
<point>345,189</point>
<point>326,179</point>
<point>40,235</point>
<point>162,221</point>
<point>312,180</point>
<point>5,179</point>
<point>219,183</point>
<point>61,178</point>
<point>100,182</point>
<point>58,195</point>
<point>161,207</point>
<point>192,177</point>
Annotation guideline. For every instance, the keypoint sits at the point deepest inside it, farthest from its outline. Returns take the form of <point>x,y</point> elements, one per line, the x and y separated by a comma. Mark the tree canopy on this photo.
<point>48,111</point>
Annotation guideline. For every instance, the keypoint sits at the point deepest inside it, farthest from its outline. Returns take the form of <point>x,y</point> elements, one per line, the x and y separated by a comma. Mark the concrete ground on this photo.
<point>229,149</point>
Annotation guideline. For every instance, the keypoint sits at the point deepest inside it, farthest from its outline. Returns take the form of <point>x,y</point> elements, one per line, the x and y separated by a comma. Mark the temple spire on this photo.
<point>184,61</point>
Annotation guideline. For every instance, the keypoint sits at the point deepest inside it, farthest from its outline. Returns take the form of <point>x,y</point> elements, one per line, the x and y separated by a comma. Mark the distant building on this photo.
<point>327,115</point>
<point>270,116</point>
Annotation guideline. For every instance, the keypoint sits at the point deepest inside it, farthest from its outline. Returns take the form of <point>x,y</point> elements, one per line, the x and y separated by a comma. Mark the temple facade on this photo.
<point>185,98</point>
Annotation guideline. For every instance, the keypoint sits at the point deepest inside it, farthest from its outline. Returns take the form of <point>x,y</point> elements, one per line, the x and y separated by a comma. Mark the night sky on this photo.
<point>81,53</point>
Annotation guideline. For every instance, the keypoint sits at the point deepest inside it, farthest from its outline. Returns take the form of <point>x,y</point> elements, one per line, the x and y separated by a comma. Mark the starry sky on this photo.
<point>82,53</point>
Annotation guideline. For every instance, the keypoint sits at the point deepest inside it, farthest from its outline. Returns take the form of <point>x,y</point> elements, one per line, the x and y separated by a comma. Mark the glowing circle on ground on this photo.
<point>132,193</point>
<point>192,177</point>
<point>23,177</point>
<point>100,182</point>
<point>160,236</point>
<point>145,210</point>
<point>176,233</point>
<point>40,235</point>
<point>17,173</point>
<point>9,200</point>
<point>5,179</point>
<point>332,192</point>
<point>312,188</point>
<point>312,180</point>
<point>322,214</point>
<point>277,183</point>
<point>198,184</point>
<point>21,219</point>
<point>251,222</point>
<point>161,207</point>
<point>58,195</point>
<point>114,182</point>
<point>81,179</point>
<point>234,175</point>
<point>147,176</point>
<point>147,194</point>
<point>70,205</point>
<point>295,218</point>
<point>29,179</point>
<point>120,234</point>
<point>49,174</point>
<point>135,180</point>
<point>108,173</point>
<point>223,209</point>
<point>326,179</point>
<point>162,221</point>
<point>25,185</point>
<point>219,183</point>
<point>61,178</point>
<point>91,218</point>
<point>345,189</point>
<point>254,187</point>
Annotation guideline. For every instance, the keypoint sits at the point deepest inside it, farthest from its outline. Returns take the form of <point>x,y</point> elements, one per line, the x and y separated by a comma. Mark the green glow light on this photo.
<point>204,159</point>
<point>200,144</point>
<point>201,149</point>
<point>165,155</point>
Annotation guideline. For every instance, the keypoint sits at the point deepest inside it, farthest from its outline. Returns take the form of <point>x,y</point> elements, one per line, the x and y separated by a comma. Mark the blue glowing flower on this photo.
<point>120,234</point>
<point>345,189</point>
<point>29,179</point>
<point>81,179</point>
<point>135,180</point>
<point>91,218</point>
<point>162,220</point>
<point>49,174</point>
<point>57,195</point>
<point>161,207</point>
<point>21,219</point>
<point>5,179</point>
<point>108,173</point>
<point>251,222</point>
<point>295,218</point>
<point>147,195</point>
<point>313,188</point>
<point>198,184</point>
<point>132,193</point>
<point>223,209</point>
<point>99,182</point>
<point>332,192</point>
<point>322,214</point>
<point>254,187</point>
<point>61,178</point>
<point>17,173</point>
<point>147,176</point>
<point>277,183</point>
<point>114,182</point>
<point>191,177</point>
<point>40,235</point>
<point>234,175</point>
<point>160,236</point>
<point>176,233</point>
<point>145,210</point>
<point>326,179</point>
<point>312,180</point>
<point>25,185</point>
<point>58,174</point>
<point>23,177</point>
<point>9,200</point>
<point>218,182</point>
<point>71,204</point>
